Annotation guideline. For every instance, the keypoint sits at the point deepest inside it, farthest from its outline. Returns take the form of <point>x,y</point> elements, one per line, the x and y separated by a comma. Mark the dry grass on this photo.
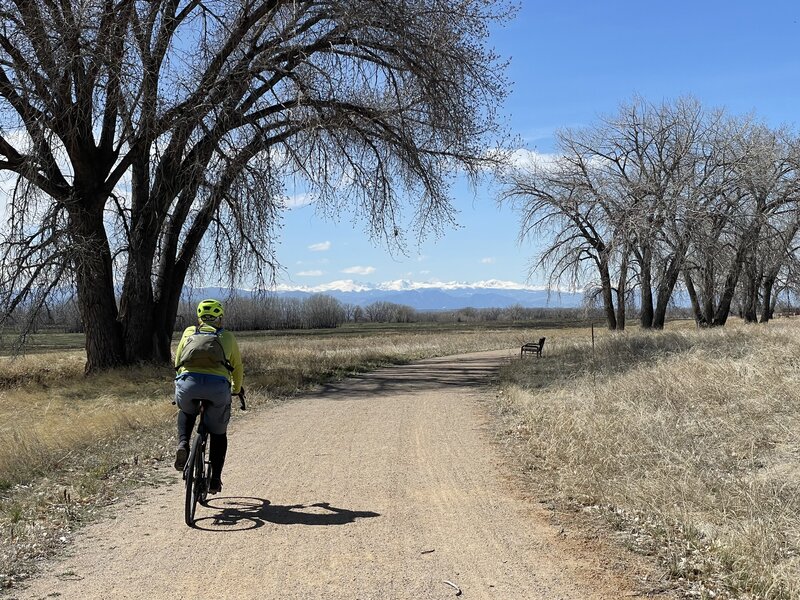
<point>49,411</point>
<point>689,439</point>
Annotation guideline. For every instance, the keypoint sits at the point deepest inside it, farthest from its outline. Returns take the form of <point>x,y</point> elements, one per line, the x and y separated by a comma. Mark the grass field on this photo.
<point>689,440</point>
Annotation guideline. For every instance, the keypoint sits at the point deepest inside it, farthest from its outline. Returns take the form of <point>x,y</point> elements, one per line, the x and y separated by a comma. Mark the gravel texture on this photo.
<point>384,486</point>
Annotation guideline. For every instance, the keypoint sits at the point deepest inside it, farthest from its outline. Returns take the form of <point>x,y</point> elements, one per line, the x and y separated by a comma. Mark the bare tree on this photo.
<point>562,209</point>
<point>153,138</point>
<point>769,178</point>
<point>663,163</point>
<point>746,232</point>
<point>323,311</point>
<point>624,197</point>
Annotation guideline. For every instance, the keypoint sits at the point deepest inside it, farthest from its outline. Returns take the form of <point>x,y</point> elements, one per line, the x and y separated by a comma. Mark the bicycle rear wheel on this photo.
<point>195,479</point>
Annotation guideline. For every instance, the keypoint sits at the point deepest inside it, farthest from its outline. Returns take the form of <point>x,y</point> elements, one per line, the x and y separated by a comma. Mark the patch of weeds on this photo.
<point>13,513</point>
<point>102,471</point>
<point>38,518</point>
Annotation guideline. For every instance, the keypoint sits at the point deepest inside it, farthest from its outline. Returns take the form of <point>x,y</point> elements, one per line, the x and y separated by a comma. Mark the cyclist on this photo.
<point>209,367</point>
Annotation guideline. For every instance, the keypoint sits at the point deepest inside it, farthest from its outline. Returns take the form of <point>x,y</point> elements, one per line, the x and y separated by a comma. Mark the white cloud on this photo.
<point>522,158</point>
<point>320,247</point>
<point>298,200</point>
<point>310,273</point>
<point>357,270</point>
<point>489,260</point>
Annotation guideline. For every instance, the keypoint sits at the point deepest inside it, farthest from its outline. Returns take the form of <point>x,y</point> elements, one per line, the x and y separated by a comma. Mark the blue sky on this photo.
<point>572,61</point>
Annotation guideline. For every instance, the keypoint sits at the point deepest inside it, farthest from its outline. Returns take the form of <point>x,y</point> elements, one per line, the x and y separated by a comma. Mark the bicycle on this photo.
<point>197,472</point>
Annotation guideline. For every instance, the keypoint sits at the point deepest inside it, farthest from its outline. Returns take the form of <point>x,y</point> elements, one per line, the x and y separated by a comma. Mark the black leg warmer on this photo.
<point>185,426</point>
<point>216,454</point>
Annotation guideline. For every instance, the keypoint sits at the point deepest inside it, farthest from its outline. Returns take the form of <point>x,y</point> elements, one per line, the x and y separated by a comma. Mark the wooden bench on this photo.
<point>532,348</point>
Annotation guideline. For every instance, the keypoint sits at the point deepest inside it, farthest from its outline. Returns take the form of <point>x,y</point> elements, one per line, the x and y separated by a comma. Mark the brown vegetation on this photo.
<point>687,439</point>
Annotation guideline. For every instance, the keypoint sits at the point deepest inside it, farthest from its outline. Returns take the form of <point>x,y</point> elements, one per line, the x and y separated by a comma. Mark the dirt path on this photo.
<point>380,487</point>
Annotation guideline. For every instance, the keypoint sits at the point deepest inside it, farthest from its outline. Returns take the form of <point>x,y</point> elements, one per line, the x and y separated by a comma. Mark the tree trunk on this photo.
<point>728,291</point>
<point>621,292</point>
<point>137,311</point>
<point>751,289</point>
<point>708,292</point>
<point>172,272</point>
<point>667,285</point>
<point>137,306</point>
<point>608,296</point>
<point>772,305</point>
<point>698,313</point>
<point>646,281</point>
<point>769,300</point>
<point>164,322</point>
<point>95,286</point>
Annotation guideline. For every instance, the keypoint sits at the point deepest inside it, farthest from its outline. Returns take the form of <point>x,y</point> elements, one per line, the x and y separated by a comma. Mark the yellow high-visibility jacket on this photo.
<point>231,349</point>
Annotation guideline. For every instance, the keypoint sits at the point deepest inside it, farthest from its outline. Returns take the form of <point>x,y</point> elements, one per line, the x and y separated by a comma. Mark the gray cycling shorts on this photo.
<point>191,388</point>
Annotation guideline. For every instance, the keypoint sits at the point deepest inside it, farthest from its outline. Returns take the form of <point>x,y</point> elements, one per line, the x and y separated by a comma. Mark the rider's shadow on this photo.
<point>250,513</point>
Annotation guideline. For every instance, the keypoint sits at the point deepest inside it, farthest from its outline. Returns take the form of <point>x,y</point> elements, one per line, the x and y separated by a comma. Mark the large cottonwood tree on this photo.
<point>147,138</point>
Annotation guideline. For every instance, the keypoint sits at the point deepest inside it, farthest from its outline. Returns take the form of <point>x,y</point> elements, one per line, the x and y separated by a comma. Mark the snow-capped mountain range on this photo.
<point>424,295</point>
<point>402,285</point>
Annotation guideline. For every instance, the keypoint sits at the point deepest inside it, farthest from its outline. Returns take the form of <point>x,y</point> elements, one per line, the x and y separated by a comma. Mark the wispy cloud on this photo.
<point>298,200</point>
<point>359,270</point>
<point>320,247</point>
<point>310,273</point>
<point>523,158</point>
<point>489,260</point>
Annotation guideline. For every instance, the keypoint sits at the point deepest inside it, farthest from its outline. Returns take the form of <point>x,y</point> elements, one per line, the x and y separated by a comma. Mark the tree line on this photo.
<point>272,312</point>
<point>661,198</point>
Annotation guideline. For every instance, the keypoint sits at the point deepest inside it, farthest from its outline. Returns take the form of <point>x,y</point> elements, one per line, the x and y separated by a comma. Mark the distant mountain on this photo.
<point>421,296</point>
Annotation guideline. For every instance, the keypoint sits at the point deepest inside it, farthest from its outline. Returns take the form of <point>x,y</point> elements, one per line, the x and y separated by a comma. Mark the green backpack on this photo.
<point>203,350</point>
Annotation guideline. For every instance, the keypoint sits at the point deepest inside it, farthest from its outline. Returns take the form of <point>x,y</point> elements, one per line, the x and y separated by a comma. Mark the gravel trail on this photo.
<point>384,486</point>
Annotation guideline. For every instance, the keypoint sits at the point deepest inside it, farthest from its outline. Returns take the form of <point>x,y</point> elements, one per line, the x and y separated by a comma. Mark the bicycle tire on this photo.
<point>194,479</point>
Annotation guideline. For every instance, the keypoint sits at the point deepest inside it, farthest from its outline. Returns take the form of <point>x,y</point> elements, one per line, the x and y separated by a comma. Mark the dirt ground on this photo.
<point>385,486</point>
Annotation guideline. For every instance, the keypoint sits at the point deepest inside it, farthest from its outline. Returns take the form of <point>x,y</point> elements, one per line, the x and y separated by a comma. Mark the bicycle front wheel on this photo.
<point>194,479</point>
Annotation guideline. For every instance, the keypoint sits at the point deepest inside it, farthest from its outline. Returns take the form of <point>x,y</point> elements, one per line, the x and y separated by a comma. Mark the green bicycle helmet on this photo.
<point>209,310</point>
